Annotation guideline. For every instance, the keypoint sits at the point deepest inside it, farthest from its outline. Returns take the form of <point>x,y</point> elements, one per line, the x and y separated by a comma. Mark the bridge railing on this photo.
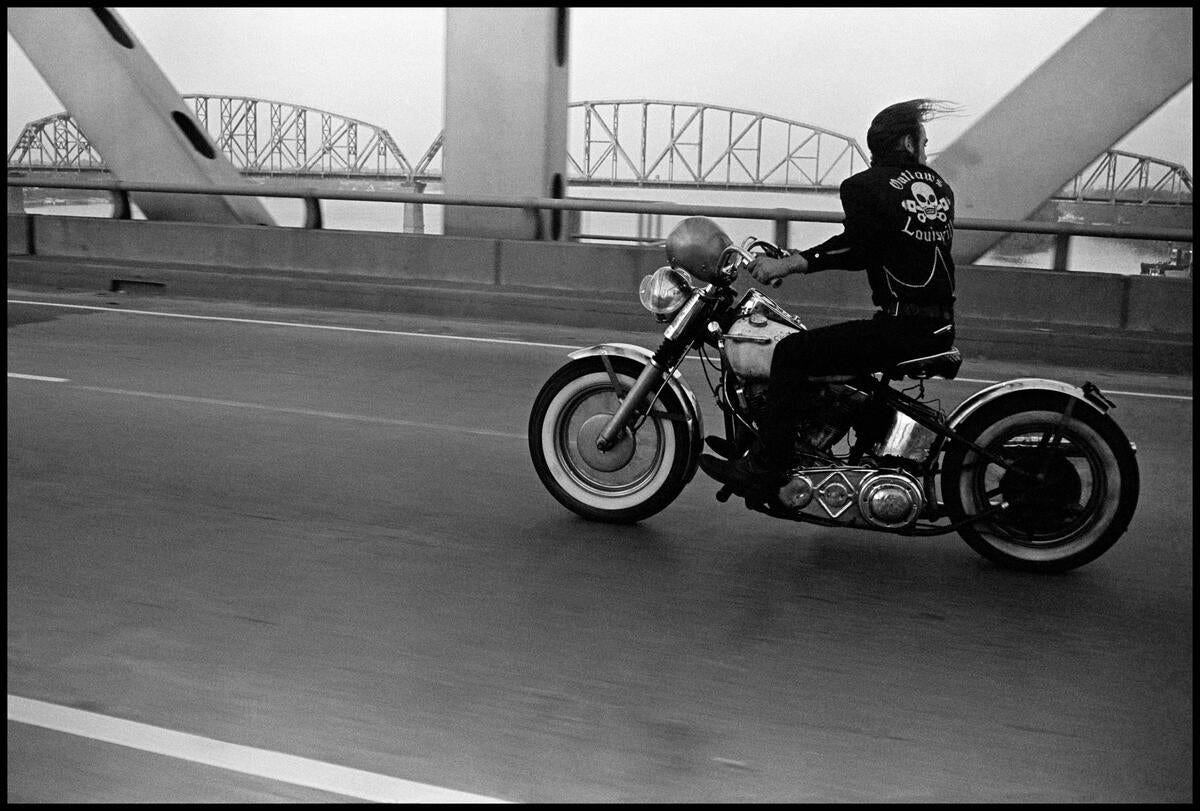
<point>781,217</point>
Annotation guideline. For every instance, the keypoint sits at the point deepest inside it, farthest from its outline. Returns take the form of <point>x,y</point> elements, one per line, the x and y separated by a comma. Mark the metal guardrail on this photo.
<point>781,217</point>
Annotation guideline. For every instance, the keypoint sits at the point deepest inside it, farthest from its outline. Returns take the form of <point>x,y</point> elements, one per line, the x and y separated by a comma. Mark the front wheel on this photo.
<point>1069,491</point>
<point>639,476</point>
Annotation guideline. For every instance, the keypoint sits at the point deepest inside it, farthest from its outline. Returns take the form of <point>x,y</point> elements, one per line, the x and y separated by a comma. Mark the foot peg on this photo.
<point>724,493</point>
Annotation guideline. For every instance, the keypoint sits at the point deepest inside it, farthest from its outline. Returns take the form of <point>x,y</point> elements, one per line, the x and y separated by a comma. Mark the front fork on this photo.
<point>651,381</point>
<point>677,341</point>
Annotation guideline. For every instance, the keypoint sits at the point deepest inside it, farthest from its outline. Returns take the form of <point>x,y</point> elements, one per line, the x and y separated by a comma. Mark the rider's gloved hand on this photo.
<point>767,270</point>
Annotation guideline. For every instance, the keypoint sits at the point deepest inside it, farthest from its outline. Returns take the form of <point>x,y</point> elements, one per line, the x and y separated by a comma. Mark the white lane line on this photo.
<point>42,378</point>
<point>297,324</point>
<point>1147,394</point>
<point>444,336</point>
<point>307,412</point>
<point>291,769</point>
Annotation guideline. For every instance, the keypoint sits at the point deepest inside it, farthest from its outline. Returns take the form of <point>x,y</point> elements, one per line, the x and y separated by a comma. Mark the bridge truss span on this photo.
<point>643,142</point>
<point>56,143</point>
<point>259,136</point>
<point>297,140</point>
<point>1125,177</point>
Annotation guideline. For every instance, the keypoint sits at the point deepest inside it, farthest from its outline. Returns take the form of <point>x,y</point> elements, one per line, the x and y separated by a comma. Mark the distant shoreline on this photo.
<point>63,197</point>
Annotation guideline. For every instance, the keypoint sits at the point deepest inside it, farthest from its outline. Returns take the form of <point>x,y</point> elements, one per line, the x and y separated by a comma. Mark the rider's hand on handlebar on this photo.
<point>769,271</point>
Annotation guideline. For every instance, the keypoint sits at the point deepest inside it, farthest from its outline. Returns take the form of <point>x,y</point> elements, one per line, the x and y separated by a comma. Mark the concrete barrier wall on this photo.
<point>1157,304</point>
<point>395,256</point>
<point>614,269</point>
<point>18,235</point>
<point>1031,297</point>
<point>1088,299</point>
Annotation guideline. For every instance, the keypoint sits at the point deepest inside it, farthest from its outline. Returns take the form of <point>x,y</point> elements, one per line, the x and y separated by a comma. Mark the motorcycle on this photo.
<point>1033,474</point>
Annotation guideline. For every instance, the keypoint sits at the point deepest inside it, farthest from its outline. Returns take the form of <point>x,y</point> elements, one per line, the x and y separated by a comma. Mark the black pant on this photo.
<point>851,347</point>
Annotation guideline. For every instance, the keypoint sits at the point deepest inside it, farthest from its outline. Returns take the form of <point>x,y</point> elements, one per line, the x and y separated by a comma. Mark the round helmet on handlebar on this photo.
<point>698,245</point>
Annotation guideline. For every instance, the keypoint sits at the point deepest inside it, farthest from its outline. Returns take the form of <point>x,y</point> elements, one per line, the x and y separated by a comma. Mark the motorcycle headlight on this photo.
<point>665,290</point>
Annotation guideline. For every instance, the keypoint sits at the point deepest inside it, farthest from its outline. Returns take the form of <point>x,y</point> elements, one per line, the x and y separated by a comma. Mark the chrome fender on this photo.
<point>997,390</point>
<point>675,383</point>
<point>1008,388</point>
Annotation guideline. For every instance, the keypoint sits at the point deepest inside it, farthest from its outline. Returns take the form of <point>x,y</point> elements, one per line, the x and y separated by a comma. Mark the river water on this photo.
<point>1093,254</point>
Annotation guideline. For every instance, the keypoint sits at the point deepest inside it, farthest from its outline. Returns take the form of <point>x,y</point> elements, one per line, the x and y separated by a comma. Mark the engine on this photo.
<point>864,497</point>
<point>826,413</point>
<point>890,498</point>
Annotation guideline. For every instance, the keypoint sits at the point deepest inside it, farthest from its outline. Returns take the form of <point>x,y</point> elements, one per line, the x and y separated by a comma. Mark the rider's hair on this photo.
<point>888,128</point>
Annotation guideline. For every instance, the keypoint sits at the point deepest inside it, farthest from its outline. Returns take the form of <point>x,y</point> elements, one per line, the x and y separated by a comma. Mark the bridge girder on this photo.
<point>731,148</point>
<point>1126,177</point>
<point>648,142</point>
<point>341,146</point>
<point>54,142</point>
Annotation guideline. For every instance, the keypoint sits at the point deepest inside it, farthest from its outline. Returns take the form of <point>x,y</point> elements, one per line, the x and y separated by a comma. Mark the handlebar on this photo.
<point>769,248</point>
<point>745,254</point>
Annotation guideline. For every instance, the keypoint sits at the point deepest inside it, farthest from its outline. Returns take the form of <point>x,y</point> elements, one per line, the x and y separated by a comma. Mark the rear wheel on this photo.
<point>1070,490</point>
<point>636,478</point>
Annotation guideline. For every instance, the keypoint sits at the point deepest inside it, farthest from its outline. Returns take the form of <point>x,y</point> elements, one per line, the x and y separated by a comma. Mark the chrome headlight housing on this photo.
<point>664,291</point>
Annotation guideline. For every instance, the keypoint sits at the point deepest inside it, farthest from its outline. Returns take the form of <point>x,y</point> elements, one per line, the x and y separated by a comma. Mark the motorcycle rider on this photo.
<point>899,227</point>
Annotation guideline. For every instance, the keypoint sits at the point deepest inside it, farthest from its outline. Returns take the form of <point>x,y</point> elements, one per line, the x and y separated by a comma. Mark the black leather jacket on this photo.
<point>899,228</point>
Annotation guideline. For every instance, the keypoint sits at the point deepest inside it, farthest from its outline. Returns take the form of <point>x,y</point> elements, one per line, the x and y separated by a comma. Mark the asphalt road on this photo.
<point>331,544</point>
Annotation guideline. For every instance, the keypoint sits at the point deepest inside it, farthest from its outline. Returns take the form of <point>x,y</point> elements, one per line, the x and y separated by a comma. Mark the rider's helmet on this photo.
<point>696,245</point>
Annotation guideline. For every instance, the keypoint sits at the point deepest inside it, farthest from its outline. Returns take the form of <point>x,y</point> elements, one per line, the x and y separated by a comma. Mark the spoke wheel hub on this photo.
<point>1045,502</point>
<point>615,457</point>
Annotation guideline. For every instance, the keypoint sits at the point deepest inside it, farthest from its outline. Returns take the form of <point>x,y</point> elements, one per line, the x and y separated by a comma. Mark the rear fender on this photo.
<point>1088,395</point>
<point>678,386</point>
<point>994,392</point>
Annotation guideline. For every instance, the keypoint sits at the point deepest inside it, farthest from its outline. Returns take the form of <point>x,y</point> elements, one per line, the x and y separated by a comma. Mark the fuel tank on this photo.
<point>750,344</point>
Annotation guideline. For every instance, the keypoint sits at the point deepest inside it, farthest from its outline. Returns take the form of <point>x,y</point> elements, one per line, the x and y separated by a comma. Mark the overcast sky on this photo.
<point>833,68</point>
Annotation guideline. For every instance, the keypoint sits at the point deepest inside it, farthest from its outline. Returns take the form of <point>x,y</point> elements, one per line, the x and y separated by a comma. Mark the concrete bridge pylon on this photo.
<point>125,105</point>
<point>1093,91</point>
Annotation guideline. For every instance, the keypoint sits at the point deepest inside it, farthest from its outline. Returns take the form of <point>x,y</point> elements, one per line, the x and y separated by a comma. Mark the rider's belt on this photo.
<point>902,308</point>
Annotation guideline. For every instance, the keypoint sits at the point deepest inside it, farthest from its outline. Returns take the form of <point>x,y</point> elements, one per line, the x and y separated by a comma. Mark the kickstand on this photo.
<point>724,493</point>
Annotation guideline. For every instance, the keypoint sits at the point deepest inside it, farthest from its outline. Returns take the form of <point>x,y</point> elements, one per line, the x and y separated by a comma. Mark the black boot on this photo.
<point>762,470</point>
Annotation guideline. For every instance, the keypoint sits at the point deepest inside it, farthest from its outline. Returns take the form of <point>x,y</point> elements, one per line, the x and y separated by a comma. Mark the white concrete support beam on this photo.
<point>505,118</point>
<point>1085,98</point>
<point>130,112</point>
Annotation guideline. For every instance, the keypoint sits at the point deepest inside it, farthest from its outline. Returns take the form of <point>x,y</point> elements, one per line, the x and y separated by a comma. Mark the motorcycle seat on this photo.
<point>943,364</point>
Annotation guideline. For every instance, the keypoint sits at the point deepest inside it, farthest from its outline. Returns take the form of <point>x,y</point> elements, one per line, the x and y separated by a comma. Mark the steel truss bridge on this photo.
<point>670,144</point>
<point>260,137</point>
<point>626,143</point>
